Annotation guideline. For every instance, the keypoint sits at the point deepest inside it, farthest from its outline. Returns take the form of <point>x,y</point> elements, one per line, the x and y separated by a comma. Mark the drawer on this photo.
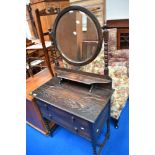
<point>69,121</point>
<point>61,117</point>
<point>65,119</point>
<point>83,126</point>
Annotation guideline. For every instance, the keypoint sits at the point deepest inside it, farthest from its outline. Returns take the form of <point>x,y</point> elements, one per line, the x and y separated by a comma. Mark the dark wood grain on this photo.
<point>118,23</point>
<point>65,119</point>
<point>67,74</point>
<point>74,100</point>
<point>59,69</point>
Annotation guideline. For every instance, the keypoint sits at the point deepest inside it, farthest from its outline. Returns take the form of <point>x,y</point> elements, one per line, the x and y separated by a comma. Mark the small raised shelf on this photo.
<point>77,76</point>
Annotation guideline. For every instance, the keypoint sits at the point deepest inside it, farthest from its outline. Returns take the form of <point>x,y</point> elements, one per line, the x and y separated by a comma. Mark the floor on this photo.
<point>64,142</point>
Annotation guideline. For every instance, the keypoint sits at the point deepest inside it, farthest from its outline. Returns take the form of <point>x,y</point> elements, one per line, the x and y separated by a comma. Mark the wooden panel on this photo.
<point>80,78</point>
<point>125,43</point>
<point>34,82</point>
<point>34,117</point>
<point>96,7</point>
<point>37,1</point>
<point>122,26</point>
<point>119,23</point>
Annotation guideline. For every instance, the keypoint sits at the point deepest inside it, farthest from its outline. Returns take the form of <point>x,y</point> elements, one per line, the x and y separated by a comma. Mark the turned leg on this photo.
<point>108,128</point>
<point>94,144</point>
<point>108,122</point>
<point>116,124</point>
<point>116,121</point>
<point>47,125</point>
<point>93,139</point>
<point>94,149</point>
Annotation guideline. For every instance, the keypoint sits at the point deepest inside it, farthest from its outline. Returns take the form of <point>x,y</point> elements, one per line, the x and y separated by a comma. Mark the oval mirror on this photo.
<point>77,35</point>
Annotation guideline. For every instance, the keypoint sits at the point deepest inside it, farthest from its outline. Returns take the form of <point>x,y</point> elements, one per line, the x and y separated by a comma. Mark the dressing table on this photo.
<point>76,100</point>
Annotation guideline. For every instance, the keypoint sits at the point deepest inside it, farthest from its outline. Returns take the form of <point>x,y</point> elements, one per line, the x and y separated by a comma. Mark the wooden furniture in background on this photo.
<point>96,7</point>
<point>122,26</point>
<point>32,60</point>
<point>45,46</point>
<point>119,23</point>
<point>123,38</point>
<point>47,21</point>
<point>33,115</point>
<point>119,72</point>
<point>39,14</point>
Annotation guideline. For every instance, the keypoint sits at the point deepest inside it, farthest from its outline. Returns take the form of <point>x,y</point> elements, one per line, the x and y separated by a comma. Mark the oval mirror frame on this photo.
<point>98,28</point>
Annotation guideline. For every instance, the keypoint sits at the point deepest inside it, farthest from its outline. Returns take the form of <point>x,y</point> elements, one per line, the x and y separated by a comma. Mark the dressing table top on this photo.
<point>74,99</point>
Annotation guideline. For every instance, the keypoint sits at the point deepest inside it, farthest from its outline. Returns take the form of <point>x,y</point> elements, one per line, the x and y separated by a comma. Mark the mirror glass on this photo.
<point>76,36</point>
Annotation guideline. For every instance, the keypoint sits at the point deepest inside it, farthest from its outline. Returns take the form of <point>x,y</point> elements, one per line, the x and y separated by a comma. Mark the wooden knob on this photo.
<point>82,128</point>
<point>73,119</point>
<point>50,115</point>
<point>76,129</point>
<point>45,105</point>
<point>97,130</point>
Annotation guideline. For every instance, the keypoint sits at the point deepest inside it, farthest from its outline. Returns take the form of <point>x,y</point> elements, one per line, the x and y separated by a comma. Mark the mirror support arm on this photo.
<point>50,32</point>
<point>105,37</point>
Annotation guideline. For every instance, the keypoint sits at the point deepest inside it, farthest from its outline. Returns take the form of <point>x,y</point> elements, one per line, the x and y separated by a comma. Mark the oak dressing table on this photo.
<point>76,100</point>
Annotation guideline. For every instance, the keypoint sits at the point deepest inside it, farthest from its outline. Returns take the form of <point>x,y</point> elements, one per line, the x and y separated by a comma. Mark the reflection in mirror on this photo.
<point>76,36</point>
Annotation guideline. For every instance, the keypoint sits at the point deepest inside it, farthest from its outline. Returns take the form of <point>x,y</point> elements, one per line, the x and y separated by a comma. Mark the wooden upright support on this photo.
<point>105,36</point>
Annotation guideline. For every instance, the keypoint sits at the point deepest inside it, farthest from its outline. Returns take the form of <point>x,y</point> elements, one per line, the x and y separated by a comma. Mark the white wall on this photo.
<point>27,1</point>
<point>117,9</point>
